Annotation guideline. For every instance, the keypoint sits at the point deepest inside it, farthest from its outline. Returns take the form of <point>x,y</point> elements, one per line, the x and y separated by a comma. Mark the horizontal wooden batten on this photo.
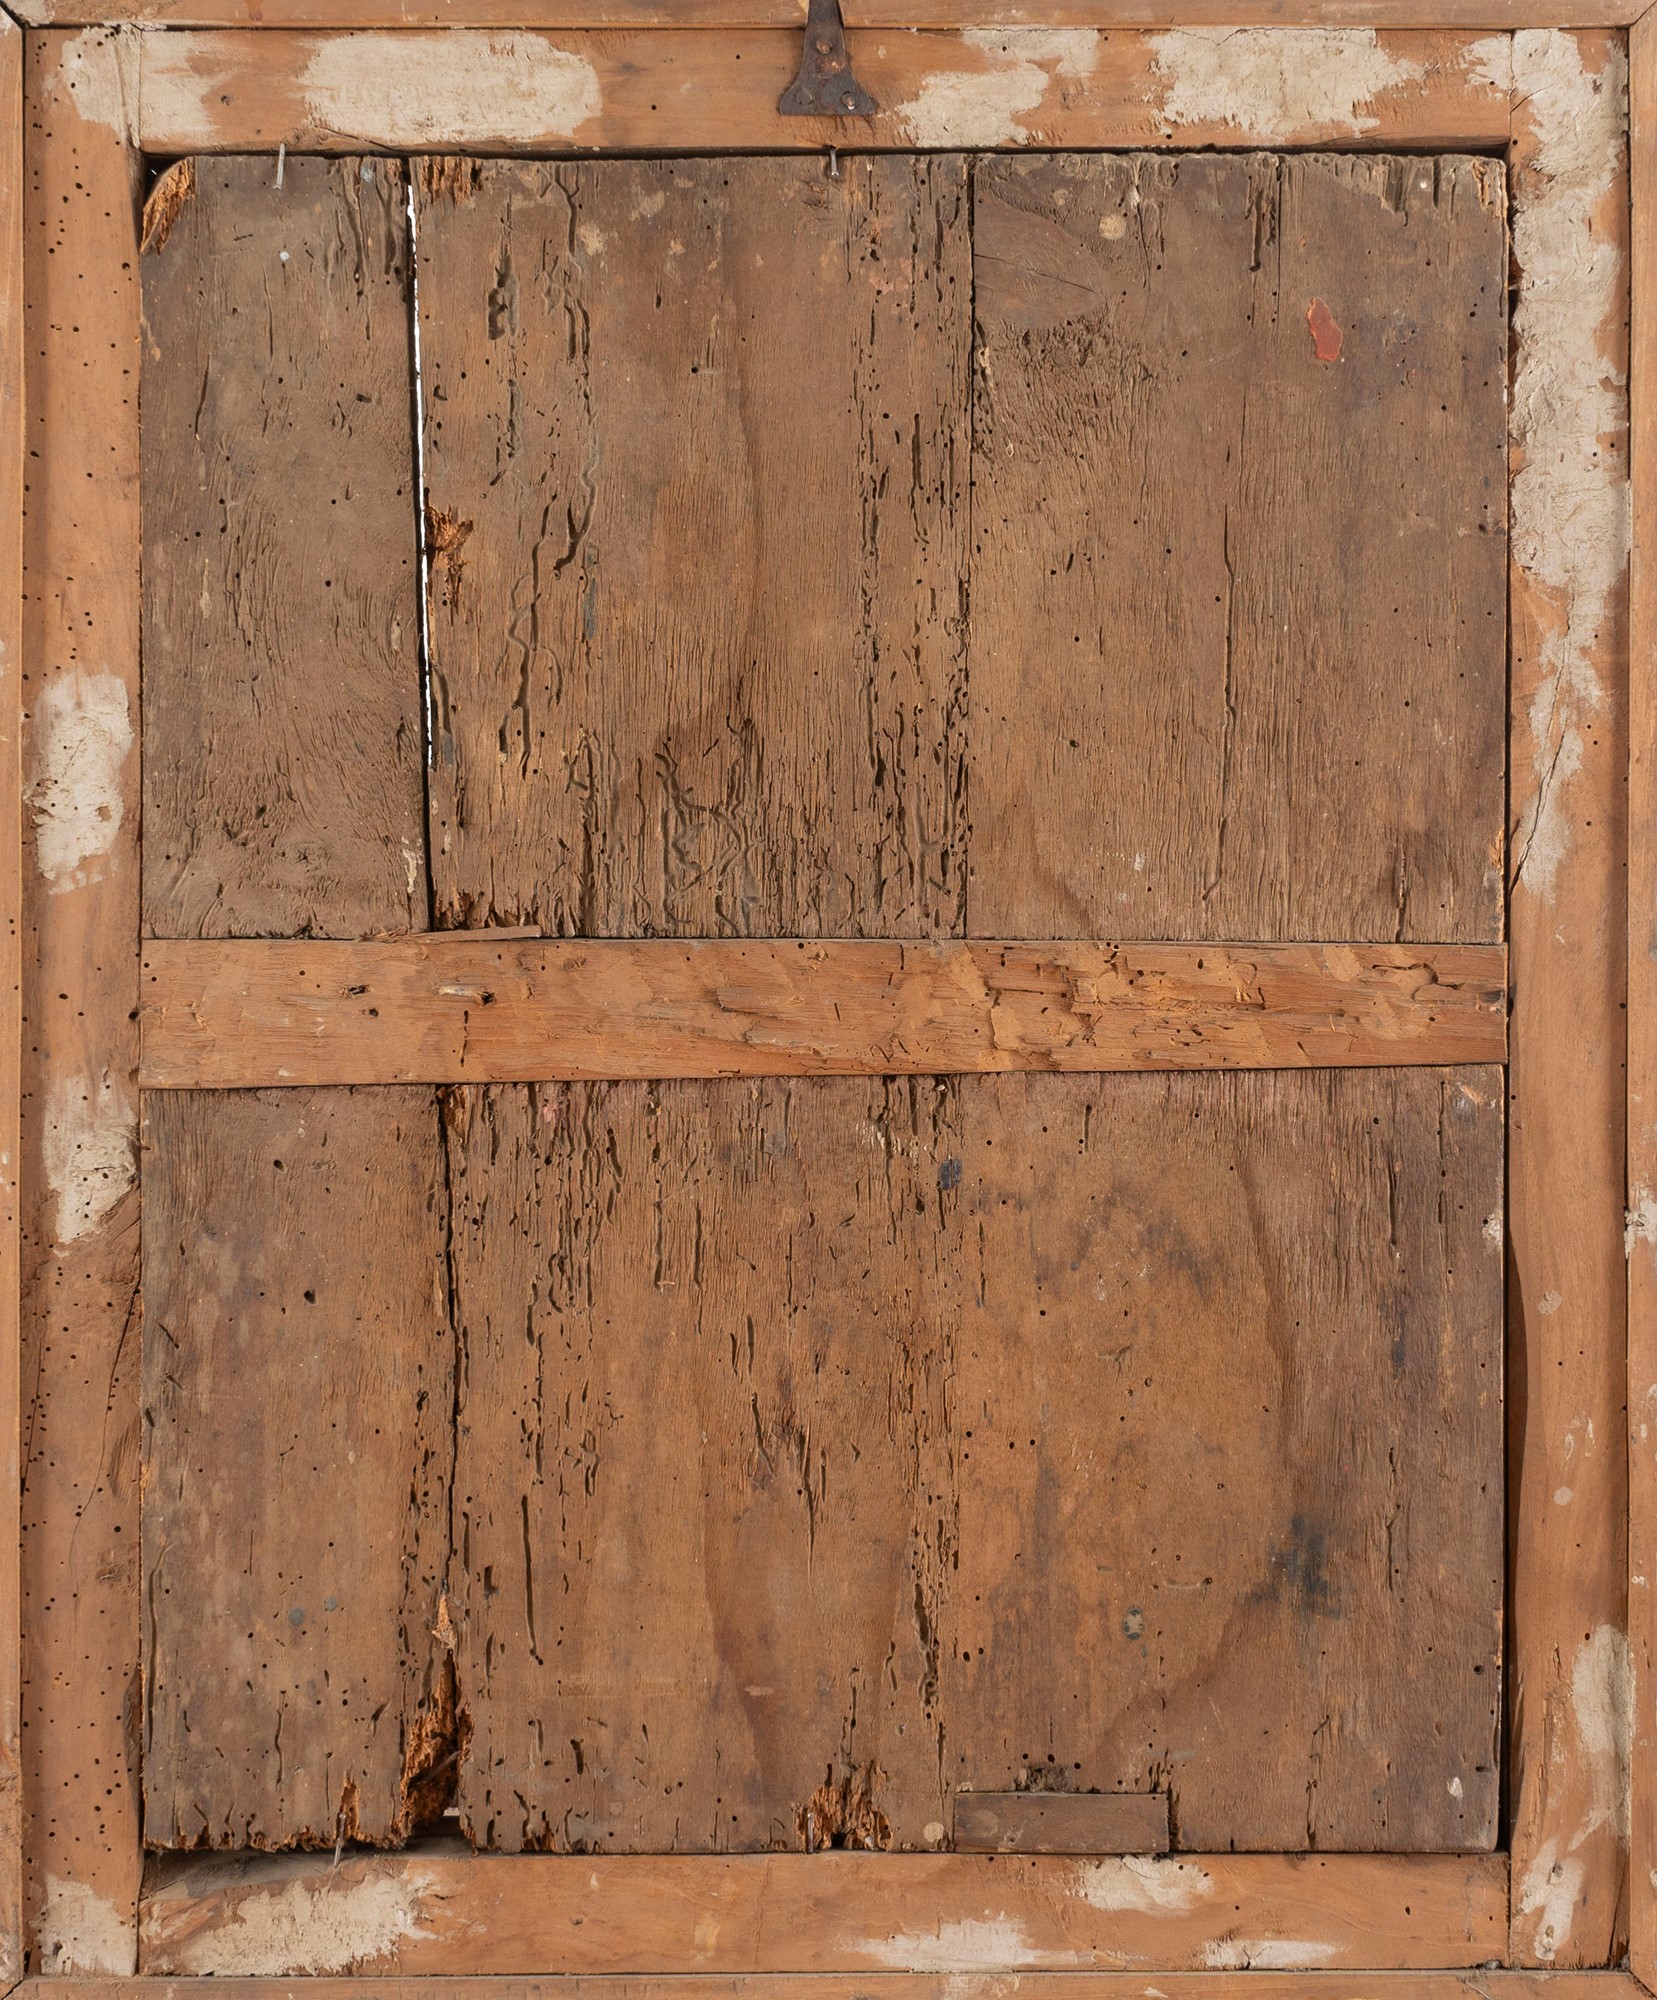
<point>860,15</point>
<point>469,90</point>
<point>447,1911</point>
<point>1262,1985</point>
<point>453,1008</point>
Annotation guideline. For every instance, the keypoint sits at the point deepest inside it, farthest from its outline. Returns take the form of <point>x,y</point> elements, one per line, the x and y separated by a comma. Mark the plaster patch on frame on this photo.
<point>98,74</point>
<point>410,89</point>
<point>1275,83</point>
<point>985,106</point>
<point>1570,519</point>
<point>82,1933</point>
<point>80,742</point>
<point>1143,1882</point>
<point>89,1153</point>
<point>1602,1709</point>
<point>969,1944</point>
<point>295,1930</point>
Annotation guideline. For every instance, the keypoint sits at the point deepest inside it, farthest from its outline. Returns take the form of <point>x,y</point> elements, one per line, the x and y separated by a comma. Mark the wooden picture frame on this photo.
<point>92,101</point>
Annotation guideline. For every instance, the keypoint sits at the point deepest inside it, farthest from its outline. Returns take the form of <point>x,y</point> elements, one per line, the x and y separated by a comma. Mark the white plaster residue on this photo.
<point>88,1148</point>
<point>968,1944</point>
<point>83,1932</point>
<point>1602,1712</point>
<point>1135,1882</point>
<point>80,740</point>
<point>1549,1893</point>
<point>402,88</point>
<point>1493,1229</point>
<point>1267,1954</point>
<point>296,1930</point>
<point>1640,1220</point>
<point>1276,83</point>
<point>1602,1708</point>
<point>1489,61</point>
<point>986,106</point>
<point>1570,503</point>
<point>98,74</point>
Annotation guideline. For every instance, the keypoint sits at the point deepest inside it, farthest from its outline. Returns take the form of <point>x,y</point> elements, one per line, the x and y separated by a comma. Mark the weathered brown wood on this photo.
<point>80,960</point>
<point>1061,1823</point>
<point>702,1477</point>
<point>1279,15</point>
<point>454,1008</point>
<point>696,453</point>
<point>1642,1002</point>
<point>1229,1400</point>
<point>1236,667</point>
<point>281,554</point>
<point>298,1408</point>
<point>791,1372</point>
<point>1569,1690</point>
<point>11,982</point>
<point>442,1911</point>
<point>474,91</point>
<point>1263,1985</point>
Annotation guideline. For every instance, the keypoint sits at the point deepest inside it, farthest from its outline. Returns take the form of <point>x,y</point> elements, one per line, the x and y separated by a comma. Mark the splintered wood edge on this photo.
<point>463,90</point>
<point>454,1008</point>
<point>446,1910</point>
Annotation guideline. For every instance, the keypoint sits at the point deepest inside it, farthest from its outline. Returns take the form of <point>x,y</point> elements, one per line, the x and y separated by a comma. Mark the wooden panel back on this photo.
<point>283,789</point>
<point>1238,660</point>
<point>697,450</point>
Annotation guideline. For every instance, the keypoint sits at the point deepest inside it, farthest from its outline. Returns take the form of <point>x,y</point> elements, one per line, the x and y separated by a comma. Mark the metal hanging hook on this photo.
<point>825,86</point>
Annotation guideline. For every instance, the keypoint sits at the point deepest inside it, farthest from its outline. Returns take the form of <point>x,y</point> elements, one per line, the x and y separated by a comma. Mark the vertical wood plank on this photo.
<point>1238,527</point>
<point>1567,1293</point>
<point>11,973</point>
<point>285,791</point>
<point>80,941</point>
<point>1229,1403</point>
<point>298,1413</point>
<point>697,459</point>
<point>703,1479</point>
<point>1642,1003</point>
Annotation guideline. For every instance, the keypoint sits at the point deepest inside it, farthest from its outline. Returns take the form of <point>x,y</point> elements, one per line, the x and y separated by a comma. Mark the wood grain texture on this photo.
<point>696,453</point>
<point>80,955</point>
<point>1482,15</point>
<point>1229,606</point>
<point>11,984</point>
<point>1642,1001</point>
<point>298,1407</point>
<point>281,554</point>
<point>792,1372</point>
<point>458,1008</point>
<point>1229,1406</point>
<point>716,91</point>
<point>1061,1823</point>
<point>1569,1691</point>
<point>1263,1985</point>
<point>703,1478</point>
<point>445,1911</point>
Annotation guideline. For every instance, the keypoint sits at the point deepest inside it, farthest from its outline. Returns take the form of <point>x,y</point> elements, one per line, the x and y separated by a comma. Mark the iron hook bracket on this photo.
<point>825,86</point>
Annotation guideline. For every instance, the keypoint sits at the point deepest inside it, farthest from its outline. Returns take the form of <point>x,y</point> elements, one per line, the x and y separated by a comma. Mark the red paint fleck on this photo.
<point>1326,335</point>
